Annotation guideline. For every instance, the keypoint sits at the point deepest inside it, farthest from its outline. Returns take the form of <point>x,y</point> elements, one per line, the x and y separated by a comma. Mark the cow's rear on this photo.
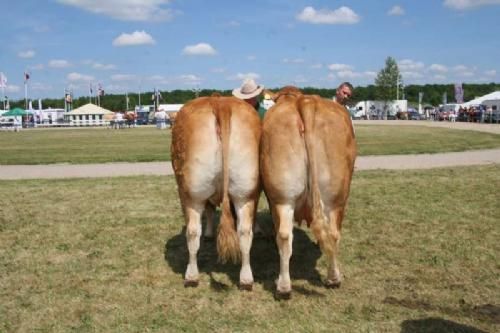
<point>215,159</point>
<point>307,159</point>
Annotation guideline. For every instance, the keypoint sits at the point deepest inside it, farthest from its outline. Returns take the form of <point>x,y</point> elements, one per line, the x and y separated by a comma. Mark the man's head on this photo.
<point>344,92</point>
<point>249,91</point>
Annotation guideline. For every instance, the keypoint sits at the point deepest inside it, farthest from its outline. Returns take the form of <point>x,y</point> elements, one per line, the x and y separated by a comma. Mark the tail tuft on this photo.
<point>228,246</point>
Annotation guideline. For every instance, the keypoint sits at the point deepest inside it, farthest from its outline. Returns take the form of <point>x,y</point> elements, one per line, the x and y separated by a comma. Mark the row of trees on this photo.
<point>388,86</point>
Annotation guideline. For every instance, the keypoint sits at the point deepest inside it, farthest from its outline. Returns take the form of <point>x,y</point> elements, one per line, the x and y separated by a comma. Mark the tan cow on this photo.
<point>215,157</point>
<point>307,160</point>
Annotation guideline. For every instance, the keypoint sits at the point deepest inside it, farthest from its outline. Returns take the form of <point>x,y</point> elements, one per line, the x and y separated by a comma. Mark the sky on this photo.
<point>139,45</point>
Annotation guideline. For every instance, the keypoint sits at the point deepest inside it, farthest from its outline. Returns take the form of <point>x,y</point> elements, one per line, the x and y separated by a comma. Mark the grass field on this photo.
<point>99,145</point>
<point>419,254</point>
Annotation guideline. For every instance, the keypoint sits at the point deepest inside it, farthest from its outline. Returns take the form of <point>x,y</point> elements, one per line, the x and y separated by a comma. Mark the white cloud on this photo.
<point>251,58</point>
<point>339,67</point>
<point>26,54</point>
<point>411,75</point>
<point>135,38</point>
<point>370,74</point>
<point>468,4</point>
<point>190,79</point>
<point>439,77</point>
<point>59,63</point>
<point>12,88</point>
<point>491,72</point>
<point>347,74</point>
<point>74,77</point>
<point>243,76</point>
<point>342,15</point>
<point>300,79</point>
<point>123,77</point>
<point>126,10</point>
<point>462,70</point>
<point>410,65</point>
<point>396,11</point>
<point>317,66</point>
<point>199,49</point>
<point>438,68</point>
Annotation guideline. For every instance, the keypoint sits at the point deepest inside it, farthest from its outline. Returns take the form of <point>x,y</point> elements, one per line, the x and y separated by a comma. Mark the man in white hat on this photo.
<point>250,92</point>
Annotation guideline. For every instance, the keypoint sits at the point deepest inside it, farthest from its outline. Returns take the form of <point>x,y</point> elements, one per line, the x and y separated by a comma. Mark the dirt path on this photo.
<point>394,162</point>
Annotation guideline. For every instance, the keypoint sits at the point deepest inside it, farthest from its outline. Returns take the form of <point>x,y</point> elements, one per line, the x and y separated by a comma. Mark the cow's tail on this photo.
<point>320,226</point>
<point>228,247</point>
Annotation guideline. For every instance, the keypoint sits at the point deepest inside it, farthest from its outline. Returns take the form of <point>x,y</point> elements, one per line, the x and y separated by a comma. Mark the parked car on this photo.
<point>414,115</point>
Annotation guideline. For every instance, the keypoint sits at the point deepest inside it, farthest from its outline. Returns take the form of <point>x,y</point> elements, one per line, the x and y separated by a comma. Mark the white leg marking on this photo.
<point>284,239</point>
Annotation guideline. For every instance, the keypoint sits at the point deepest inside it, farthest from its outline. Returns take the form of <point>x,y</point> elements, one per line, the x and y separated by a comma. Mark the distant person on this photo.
<point>161,119</point>
<point>343,93</point>
<point>118,120</point>
<point>250,92</point>
<point>267,103</point>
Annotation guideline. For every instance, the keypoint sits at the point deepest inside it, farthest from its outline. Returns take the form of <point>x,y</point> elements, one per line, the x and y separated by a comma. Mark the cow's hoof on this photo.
<point>282,295</point>
<point>191,283</point>
<point>246,286</point>
<point>332,284</point>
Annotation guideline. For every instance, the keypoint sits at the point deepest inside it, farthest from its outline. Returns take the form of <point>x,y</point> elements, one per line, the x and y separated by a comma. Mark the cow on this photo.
<point>215,157</point>
<point>307,156</point>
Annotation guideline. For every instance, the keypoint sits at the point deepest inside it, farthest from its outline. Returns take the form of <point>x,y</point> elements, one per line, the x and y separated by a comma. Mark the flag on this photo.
<point>100,90</point>
<point>26,77</point>
<point>459,93</point>
<point>3,80</point>
<point>90,89</point>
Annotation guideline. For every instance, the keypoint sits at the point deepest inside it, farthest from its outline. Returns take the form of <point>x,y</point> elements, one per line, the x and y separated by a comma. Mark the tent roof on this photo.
<point>89,108</point>
<point>479,100</point>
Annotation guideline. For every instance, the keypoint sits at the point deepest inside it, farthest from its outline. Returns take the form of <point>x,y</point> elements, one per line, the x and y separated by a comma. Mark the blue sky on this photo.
<point>132,45</point>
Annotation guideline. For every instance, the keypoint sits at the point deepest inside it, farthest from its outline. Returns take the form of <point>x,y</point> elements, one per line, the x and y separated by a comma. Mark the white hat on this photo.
<point>248,89</point>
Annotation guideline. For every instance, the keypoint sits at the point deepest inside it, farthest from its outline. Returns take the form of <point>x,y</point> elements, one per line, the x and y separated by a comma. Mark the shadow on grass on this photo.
<point>436,325</point>
<point>264,258</point>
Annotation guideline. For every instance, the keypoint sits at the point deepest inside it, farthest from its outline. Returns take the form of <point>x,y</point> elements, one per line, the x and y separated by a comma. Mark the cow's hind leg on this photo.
<point>193,235</point>
<point>209,215</point>
<point>284,239</point>
<point>334,277</point>
<point>245,211</point>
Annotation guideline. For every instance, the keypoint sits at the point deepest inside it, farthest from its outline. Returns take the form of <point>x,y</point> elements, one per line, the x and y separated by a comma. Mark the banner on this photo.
<point>459,93</point>
<point>420,96</point>
<point>3,80</point>
<point>445,98</point>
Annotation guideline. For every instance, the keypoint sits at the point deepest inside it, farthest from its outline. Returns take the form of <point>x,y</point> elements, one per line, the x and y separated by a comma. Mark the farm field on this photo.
<point>419,253</point>
<point>146,144</point>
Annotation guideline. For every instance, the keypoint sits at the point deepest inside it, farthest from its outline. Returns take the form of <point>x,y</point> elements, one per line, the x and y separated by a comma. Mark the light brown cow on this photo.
<point>215,157</point>
<point>307,160</point>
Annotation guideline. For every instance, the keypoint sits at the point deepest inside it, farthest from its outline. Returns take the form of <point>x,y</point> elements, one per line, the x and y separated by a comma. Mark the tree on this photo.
<point>387,83</point>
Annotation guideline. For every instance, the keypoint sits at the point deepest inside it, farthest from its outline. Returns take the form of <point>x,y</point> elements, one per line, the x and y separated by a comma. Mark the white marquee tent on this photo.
<point>89,115</point>
<point>479,100</point>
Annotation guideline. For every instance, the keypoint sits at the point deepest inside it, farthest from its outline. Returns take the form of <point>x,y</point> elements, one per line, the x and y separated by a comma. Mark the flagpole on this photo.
<point>3,96</point>
<point>25,95</point>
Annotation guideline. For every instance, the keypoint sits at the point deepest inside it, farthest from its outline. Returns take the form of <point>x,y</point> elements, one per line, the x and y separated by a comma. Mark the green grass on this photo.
<point>419,254</point>
<point>100,145</point>
<point>389,140</point>
<point>86,145</point>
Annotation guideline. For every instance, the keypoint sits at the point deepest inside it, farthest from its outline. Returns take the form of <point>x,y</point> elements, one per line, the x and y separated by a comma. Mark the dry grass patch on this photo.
<point>419,253</point>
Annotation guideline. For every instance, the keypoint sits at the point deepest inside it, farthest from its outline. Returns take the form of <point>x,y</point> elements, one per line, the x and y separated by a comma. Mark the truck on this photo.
<point>375,109</point>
